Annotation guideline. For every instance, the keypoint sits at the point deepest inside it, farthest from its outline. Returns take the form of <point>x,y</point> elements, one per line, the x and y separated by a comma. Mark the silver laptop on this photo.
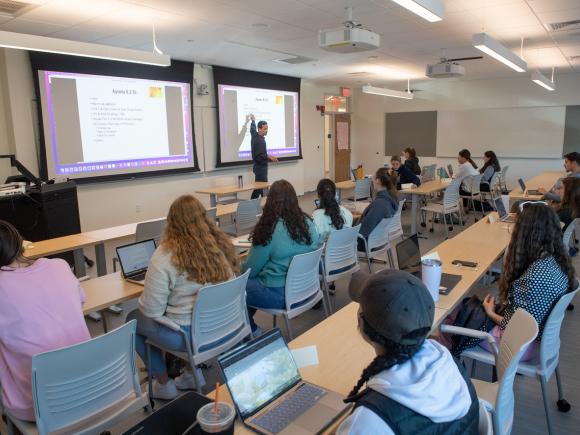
<point>409,260</point>
<point>529,192</point>
<point>268,392</point>
<point>134,259</point>
<point>504,216</point>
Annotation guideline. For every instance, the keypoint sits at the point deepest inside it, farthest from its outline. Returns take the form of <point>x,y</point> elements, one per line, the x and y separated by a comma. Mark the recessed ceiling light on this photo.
<point>373,58</point>
<point>191,40</point>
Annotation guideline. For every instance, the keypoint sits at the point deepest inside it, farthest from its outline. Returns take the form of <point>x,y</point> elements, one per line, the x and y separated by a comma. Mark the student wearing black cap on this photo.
<point>413,385</point>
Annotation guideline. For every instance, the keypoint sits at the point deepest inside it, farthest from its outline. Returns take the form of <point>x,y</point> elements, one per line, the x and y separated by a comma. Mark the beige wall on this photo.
<point>115,203</point>
<point>449,94</point>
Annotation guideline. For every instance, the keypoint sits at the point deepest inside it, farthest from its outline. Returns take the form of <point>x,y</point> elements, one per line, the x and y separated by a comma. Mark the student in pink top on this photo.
<point>40,310</point>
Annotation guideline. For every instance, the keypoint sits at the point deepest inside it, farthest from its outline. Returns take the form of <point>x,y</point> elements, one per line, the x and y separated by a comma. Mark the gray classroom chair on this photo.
<point>86,388</point>
<point>246,217</point>
<point>449,206</point>
<point>378,242</point>
<point>302,289</point>
<point>498,397</point>
<point>503,179</point>
<point>396,228</point>
<point>219,322</point>
<point>340,257</point>
<point>472,185</point>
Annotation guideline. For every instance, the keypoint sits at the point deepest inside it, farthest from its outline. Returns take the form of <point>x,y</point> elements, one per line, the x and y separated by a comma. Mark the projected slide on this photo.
<point>278,108</point>
<point>103,125</point>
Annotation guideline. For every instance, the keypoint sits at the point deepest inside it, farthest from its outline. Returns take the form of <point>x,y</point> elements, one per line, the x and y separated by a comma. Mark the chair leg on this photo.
<point>273,321</point>
<point>327,295</point>
<point>289,328</point>
<point>324,307</point>
<point>390,258</point>
<point>445,223</point>
<point>369,261</point>
<point>563,405</point>
<point>473,364</point>
<point>149,377</point>
<point>546,408</point>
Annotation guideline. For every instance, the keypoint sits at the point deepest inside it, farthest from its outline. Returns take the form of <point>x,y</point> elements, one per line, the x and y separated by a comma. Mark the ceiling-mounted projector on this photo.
<point>445,70</point>
<point>348,40</point>
<point>351,38</point>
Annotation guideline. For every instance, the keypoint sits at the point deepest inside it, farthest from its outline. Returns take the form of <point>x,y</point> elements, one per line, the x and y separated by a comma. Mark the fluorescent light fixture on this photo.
<point>485,43</point>
<point>368,89</point>
<point>540,79</point>
<point>22,41</point>
<point>430,10</point>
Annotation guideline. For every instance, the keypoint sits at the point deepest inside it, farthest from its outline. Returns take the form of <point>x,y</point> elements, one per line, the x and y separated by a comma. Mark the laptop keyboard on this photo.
<point>139,277</point>
<point>287,411</point>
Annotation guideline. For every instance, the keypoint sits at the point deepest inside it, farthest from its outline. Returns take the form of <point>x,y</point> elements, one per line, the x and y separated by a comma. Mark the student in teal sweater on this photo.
<point>282,232</point>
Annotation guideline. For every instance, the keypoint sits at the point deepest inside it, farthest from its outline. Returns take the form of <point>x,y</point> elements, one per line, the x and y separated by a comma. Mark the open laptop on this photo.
<point>409,260</point>
<point>450,169</point>
<point>268,392</point>
<point>529,192</point>
<point>504,216</point>
<point>354,174</point>
<point>443,173</point>
<point>134,259</point>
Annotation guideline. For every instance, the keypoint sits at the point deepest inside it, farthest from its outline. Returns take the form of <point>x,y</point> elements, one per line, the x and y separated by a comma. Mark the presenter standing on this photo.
<point>260,155</point>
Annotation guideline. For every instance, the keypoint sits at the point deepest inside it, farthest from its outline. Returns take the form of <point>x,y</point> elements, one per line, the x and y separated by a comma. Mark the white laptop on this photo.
<point>269,394</point>
<point>134,259</point>
<point>504,216</point>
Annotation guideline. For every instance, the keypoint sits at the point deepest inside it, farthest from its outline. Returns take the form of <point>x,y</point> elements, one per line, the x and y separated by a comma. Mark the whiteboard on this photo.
<point>531,132</point>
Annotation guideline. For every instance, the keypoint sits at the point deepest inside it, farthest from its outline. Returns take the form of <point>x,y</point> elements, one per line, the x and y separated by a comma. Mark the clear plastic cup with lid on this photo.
<point>221,422</point>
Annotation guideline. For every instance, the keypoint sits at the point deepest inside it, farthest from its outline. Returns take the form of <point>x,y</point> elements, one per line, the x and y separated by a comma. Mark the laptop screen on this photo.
<point>409,255</point>
<point>136,256</point>
<point>522,184</point>
<point>259,372</point>
<point>450,169</point>
<point>499,206</point>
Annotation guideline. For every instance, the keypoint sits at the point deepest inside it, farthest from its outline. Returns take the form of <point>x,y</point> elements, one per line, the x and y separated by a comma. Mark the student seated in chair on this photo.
<point>40,310</point>
<point>411,160</point>
<point>488,170</point>
<point>572,167</point>
<point>282,232</point>
<point>329,215</point>
<point>536,272</point>
<point>569,208</point>
<point>413,385</point>
<point>193,253</point>
<point>384,205</point>
<point>404,174</point>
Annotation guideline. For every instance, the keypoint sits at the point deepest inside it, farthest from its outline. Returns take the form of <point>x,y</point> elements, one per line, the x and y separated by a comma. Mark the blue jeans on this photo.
<point>168,338</point>
<point>258,295</point>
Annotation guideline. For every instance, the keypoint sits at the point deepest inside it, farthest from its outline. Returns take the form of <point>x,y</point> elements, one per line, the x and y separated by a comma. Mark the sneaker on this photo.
<point>185,381</point>
<point>164,391</point>
<point>257,332</point>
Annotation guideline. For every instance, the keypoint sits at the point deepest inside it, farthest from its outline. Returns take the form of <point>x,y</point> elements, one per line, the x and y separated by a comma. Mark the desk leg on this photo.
<point>339,195</point>
<point>212,200</point>
<point>414,201</point>
<point>100,259</point>
<point>79,259</point>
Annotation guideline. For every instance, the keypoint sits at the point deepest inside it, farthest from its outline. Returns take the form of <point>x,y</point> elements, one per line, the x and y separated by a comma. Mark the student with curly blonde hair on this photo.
<point>193,253</point>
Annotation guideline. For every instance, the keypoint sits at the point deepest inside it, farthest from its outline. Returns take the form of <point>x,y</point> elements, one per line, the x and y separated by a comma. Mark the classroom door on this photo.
<point>341,148</point>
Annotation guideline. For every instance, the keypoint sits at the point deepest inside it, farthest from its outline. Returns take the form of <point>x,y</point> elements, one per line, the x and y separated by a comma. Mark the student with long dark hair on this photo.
<point>488,170</point>
<point>413,385</point>
<point>466,168</point>
<point>404,174</point>
<point>384,205</point>
<point>329,215</point>
<point>282,232</point>
<point>569,208</point>
<point>41,310</point>
<point>537,271</point>
<point>411,160</point>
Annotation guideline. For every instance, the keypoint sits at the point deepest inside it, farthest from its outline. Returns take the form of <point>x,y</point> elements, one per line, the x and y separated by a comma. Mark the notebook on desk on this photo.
<point>268,392</point>
<point>409,260</point>
<point>134,259</point>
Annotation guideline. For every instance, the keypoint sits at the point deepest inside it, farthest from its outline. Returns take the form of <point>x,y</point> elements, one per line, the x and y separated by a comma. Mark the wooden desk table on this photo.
<point>214,192</point>
<point>546,180</point>
<point>425,189</point>
<point>74,242</point>
<point>344,185</point>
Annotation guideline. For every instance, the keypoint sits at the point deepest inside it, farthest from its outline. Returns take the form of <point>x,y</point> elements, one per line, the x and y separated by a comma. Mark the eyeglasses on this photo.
<point>526,204</point>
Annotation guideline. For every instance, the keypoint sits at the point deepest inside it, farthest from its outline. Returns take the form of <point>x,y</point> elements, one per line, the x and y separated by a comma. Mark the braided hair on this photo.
<point>395,353</point>
<point>327,193</point>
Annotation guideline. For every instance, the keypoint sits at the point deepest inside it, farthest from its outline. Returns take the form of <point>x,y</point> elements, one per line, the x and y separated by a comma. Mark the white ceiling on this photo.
<point>221,32</point>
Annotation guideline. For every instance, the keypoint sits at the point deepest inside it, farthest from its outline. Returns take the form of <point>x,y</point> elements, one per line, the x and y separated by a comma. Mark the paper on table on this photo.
<point>305,356</point>
<point>431,256</point>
